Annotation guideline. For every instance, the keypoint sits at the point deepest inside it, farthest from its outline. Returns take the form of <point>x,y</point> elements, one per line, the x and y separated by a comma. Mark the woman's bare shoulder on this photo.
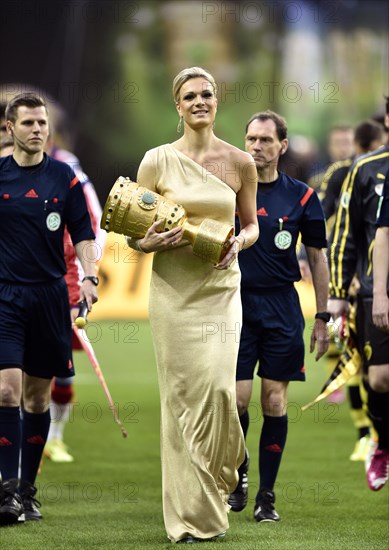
<point>236,154</point>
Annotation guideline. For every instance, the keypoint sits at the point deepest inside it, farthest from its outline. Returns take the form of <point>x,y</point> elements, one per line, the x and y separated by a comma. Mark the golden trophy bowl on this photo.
<point>131,209</point>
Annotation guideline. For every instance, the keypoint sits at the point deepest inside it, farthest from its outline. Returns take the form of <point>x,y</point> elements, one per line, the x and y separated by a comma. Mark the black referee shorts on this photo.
<point>272,336</point>
<point>35,329</point>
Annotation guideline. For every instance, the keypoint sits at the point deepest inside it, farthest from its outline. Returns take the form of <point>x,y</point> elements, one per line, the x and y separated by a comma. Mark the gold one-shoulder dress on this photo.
<point>195,316</point>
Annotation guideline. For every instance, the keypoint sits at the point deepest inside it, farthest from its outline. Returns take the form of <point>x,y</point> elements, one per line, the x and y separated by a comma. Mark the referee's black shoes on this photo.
<point>11,504</point>
<point>264,506</point>
<point>30,503</point>
<point>238,499</point>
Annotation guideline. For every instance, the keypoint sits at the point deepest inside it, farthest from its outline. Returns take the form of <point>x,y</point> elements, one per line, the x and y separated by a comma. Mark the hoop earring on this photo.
<point>179,126</point>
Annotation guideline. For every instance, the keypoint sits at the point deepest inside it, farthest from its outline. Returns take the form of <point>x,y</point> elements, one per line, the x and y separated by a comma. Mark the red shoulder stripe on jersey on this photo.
<point>74,181</point>
<point>306,196</point>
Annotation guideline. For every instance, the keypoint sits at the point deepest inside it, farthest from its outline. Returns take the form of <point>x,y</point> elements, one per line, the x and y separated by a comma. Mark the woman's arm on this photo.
<point>380,278</point>
<point>247,209</point>
<point>246,200</point>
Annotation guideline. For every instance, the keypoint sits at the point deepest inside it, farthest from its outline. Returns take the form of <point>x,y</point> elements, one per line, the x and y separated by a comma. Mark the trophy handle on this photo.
<point>209,239</point>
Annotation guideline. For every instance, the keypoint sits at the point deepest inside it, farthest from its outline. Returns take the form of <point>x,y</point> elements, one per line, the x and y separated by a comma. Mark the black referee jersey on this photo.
<point>36,203</point>
<point>286,209</point>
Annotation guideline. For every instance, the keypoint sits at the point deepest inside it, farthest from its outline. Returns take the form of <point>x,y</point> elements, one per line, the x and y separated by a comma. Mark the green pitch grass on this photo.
<point>110,497</point>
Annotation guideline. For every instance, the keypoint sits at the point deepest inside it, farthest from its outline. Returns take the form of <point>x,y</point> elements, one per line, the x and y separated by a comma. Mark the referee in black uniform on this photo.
<point>273,323</point>
<point>38,197</point>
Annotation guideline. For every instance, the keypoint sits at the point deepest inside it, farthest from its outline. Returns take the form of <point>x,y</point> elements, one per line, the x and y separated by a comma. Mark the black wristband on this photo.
<point>92,278</point>
<point>323,316</point>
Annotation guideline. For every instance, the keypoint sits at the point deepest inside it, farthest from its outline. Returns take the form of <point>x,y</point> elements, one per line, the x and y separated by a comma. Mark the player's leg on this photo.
<point>11,507</point>
<point>12,336</point>
<point>247,359</point>
<point>60,411</point>
<point>281,360</point>
<point>35,427</point>
<point>271,445</point>
<point>374,348</point>
<point>48,353</point>
<point>62,395</point>
<point>378,402</point>
<point>359,418</point>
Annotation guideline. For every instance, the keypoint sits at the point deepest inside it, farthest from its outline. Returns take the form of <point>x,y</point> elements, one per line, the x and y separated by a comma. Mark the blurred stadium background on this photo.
<point>110,64</point>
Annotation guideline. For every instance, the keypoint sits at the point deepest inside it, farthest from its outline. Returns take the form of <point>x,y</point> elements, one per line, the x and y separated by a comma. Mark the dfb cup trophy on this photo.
<point>131,209</point>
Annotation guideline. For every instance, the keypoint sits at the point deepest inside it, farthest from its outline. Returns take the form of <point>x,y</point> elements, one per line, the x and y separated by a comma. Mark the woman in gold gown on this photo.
<point>195,313</point>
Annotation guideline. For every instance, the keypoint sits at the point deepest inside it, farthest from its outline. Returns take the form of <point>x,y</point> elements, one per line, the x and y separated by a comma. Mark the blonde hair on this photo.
<point>187,74</point>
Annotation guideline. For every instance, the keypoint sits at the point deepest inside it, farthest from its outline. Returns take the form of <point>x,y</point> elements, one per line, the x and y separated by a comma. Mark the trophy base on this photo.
<point>209,239</point>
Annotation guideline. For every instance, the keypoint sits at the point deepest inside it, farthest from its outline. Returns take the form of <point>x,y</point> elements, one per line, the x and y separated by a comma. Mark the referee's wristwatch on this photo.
<point>323,316</point>
<point>92,278</point>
